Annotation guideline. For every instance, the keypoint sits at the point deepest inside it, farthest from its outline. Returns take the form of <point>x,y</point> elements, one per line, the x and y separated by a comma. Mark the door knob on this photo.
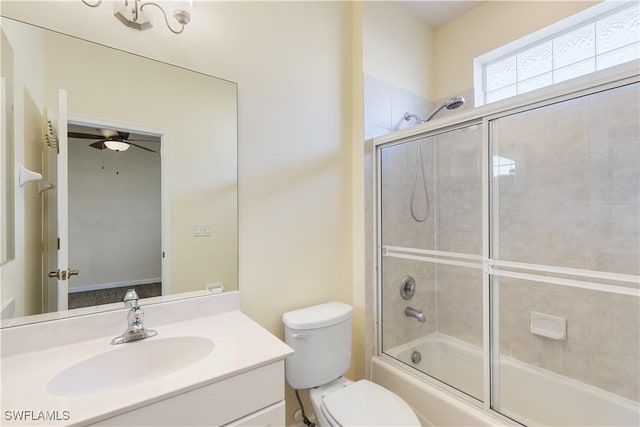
<point>64,274</point>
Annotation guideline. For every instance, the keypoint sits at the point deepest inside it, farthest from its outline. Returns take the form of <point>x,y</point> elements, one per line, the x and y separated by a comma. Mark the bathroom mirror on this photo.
<point>7,246</point>
<point>160,214</point>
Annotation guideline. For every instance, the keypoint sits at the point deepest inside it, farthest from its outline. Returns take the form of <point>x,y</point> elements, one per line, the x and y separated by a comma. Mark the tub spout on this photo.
<point>412,312</point>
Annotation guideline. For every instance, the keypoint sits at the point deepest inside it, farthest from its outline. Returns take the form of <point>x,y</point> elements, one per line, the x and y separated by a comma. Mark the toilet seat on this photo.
<point>364,403</point>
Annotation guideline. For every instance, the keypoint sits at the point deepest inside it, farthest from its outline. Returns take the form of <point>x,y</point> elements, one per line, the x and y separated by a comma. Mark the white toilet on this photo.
<point>321,338</point>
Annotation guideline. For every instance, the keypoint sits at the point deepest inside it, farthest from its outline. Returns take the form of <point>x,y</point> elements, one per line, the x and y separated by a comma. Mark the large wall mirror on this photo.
<point>150,176</point>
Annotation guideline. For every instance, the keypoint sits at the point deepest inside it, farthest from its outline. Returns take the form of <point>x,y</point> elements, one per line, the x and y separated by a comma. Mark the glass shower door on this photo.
<point>431,243</point>
<point>565,253</point>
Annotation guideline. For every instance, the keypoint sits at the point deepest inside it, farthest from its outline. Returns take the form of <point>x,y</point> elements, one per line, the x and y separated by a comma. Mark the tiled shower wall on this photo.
<point>570,197</point>
<point>458,166</point>
<point>385,106</point>
<point>453,171</point>
<point>384,110</point>
<point>400,229</point>
<point>573,200</point>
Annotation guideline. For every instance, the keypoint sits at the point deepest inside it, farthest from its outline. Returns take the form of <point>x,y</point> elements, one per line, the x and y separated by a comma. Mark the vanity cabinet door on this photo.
<point>232,400</point>
<point>272,416</point>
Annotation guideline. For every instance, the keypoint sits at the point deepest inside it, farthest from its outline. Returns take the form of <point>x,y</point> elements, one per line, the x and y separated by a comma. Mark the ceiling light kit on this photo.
<point>112,139</point>
<point>131,13</point>
<point>116,145</point>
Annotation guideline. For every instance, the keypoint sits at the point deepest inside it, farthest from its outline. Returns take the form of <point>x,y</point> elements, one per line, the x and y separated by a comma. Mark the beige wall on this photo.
<point>436,63</point>
<point>397,66</point>
<point>358,204</point>
<point>484,28</point>
<point>293,65</point>
<point>398,47</point>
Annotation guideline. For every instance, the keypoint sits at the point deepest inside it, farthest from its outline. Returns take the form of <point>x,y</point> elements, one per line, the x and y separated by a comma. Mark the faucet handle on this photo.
<point>131,298</point>
<point>135,318</point>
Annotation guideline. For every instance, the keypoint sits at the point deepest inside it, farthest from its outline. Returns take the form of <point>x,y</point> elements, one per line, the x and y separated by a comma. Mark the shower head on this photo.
<point>450,104</point>
<point>455,102</point>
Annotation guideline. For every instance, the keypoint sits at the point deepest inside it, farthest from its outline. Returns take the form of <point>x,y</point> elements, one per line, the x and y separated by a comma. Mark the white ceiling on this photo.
<point>436,13</point>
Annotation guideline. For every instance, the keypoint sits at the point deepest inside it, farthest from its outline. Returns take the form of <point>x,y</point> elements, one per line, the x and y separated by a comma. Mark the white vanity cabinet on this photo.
<point>272,416</point>
<point>52,368</point>
<point>253,398</point>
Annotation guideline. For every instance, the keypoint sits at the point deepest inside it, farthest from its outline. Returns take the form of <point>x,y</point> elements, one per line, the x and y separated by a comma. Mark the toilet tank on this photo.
<point>321,338</point>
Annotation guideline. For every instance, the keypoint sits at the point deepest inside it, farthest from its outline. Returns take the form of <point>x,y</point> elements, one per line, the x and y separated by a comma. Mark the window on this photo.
<point>600,37</point>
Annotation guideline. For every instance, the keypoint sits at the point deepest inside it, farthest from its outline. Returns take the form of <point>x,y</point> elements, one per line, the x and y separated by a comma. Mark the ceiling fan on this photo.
<point>111,139</point>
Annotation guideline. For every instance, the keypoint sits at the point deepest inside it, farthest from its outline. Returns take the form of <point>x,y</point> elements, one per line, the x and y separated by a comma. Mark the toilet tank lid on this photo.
<point>317,316</point>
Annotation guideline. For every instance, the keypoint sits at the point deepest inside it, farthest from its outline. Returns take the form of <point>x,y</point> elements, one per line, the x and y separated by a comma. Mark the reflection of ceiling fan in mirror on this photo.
<point>112,139</point>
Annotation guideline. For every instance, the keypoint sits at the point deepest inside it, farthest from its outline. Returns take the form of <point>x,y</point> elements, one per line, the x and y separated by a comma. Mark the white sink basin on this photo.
<point>129,363</point>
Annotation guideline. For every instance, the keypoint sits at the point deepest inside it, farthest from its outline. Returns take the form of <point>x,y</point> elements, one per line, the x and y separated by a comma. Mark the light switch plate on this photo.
<point>201,230</point>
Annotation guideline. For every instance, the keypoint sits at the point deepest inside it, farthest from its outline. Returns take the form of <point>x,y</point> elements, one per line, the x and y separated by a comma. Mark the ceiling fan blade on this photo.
<point>143,140</point>
<point>140,146</point>
<point>98,144</point>
<point>123,135</point>
<point>82,135</point>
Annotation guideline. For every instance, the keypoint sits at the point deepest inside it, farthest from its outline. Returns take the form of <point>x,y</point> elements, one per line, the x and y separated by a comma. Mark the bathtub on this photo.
<point>550,399</point>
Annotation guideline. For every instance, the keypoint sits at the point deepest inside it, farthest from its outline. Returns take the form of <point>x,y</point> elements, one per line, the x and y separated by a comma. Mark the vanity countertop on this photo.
<point>240,345</point>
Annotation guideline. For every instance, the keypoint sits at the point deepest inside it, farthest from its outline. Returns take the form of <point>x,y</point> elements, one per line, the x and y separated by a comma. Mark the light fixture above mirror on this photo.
<point>131,13</point>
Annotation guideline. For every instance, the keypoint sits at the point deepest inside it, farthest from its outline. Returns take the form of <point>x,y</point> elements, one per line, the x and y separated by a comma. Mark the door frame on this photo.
<point>165,189</point>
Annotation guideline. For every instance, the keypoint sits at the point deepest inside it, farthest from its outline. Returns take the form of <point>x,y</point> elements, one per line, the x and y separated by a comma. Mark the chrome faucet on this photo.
<point>412,312</point>
<point>135,318</point>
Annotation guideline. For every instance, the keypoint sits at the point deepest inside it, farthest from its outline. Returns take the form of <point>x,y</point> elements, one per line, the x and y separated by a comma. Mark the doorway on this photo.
<point>115,211</point>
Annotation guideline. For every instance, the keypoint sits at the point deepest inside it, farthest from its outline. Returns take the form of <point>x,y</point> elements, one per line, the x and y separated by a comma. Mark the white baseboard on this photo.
<point>100,286</point>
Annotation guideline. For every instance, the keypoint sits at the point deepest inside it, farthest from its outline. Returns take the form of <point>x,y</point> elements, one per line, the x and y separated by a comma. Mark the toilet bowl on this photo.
<point>321,338</point>
<point>361,403</point>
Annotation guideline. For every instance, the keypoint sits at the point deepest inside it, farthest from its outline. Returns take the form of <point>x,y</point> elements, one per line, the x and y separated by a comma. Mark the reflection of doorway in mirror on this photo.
<point>115,212</point>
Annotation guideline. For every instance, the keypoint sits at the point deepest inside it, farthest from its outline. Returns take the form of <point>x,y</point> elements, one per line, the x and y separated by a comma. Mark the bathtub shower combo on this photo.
<point>508,260</point>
